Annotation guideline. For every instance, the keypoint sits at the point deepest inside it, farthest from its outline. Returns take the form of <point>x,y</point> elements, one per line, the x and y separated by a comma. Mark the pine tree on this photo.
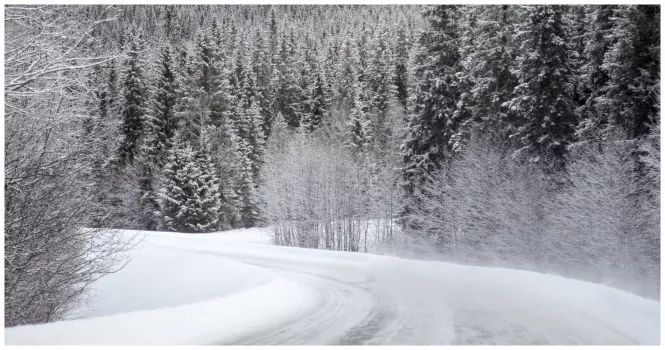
<point>316,96</point>
<point>161,124</point>
<point>263,70</point>
<point>149,208</point>
<point>285,81</point>
<point>255,138</point>
<point>381,89</point>
<point>593,75</point>
<point>246,189</point>
<point>632,63</point>
<point>346,75</point>
<point>135,97</point>
<point>543,99</point>
<point>359,124</point>
<point>434,114</point>
<point>491,53</point>
<point>402,49</point>
<point>190,198</point>
<point>188,106</point>
<point>172,28</point>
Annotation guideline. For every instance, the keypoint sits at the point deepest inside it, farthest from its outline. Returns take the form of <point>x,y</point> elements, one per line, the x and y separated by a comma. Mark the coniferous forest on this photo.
<point>504,135</point>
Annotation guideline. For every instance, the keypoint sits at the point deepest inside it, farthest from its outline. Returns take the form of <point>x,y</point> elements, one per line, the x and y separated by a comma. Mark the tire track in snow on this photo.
<point>341,306</point>
<point>372,312</point>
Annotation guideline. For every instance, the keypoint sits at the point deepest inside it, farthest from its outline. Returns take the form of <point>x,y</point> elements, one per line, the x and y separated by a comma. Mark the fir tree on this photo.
<point>190,198</point>
<point>285,81</point>
<point>491,53</point>
<point>381,88</point>
<point>593,75</point>
<point>246,189</point>
<point>544,97</point>
<point>255,138</point>
<point>317,98</point>
<point>402,64</point>
<point>359,124</point>
<point>263,70</point>
<point>434,116</point>
<point>161,124</point>
<point>135,97</point>
<point>633,66</point>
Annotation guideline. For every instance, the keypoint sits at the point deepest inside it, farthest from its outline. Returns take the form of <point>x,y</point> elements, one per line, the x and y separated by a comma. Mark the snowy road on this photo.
<point>350,307</point>
<point>342,298</point>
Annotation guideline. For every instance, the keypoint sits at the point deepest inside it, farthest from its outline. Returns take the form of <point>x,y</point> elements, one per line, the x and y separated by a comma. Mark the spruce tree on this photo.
<point>594,75</point>
<point>190,198</point>
<point>381,89</point>
<point>402,49</point>
<point>135,97</point>
<point>359,123</point>
<point>491,53</point>
<point>245,187</point>
<point>346,75</point>
<point>543,100</point>
<point>149,208</point>
<point>317,99</point>
<point>98,137</point>
<point>434,114</point>
<point>188,99</point>
<point>633,65</point>
<point>255,138</point>
<point>161,123</point>
<point>285,81</point>
<point>263,70</point>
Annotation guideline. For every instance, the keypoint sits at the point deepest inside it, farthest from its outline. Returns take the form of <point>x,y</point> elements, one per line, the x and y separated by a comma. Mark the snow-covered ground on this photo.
<point>236,288</point>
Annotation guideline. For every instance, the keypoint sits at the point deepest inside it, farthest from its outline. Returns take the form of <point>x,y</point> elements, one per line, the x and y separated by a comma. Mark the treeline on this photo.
<point>533,140</point>
<point>190,111</point>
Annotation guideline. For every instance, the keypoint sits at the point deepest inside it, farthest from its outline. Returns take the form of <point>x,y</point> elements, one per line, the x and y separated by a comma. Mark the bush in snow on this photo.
<point>596,222</point>
<point>484,206</point>
<point>599,219</point>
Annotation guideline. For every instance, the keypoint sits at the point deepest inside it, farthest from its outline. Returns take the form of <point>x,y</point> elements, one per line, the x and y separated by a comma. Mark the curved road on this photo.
<point>375,300</point>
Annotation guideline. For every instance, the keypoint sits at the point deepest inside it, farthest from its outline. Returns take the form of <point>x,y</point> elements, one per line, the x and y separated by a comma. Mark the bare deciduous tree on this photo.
<point>50,258</point>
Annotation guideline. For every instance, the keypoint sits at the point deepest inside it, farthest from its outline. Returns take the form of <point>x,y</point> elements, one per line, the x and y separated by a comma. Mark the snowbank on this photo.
<point>209,322</point>
<point>157,278</point>
<point>168,296</point>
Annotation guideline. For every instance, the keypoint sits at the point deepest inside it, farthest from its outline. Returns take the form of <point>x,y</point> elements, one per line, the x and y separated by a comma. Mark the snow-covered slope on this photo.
<point>156,278</point>
<point>236,288</point>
